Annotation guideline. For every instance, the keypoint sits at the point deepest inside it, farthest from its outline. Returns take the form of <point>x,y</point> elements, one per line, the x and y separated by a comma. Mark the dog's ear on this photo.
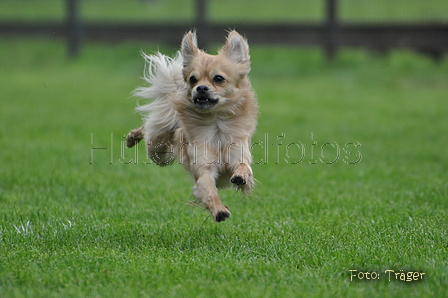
<point>189,47</point>
<point>236,48</point>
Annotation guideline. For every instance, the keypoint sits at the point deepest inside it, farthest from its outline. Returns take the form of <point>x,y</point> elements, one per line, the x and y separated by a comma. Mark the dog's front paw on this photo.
<point>134,136</point>
<point>243,179</point>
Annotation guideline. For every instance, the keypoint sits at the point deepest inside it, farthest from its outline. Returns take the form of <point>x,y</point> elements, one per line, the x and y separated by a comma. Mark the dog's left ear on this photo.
<point>236,48</point>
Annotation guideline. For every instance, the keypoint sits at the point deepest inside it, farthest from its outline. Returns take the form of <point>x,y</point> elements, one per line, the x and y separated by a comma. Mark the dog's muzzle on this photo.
<point>202,98</point>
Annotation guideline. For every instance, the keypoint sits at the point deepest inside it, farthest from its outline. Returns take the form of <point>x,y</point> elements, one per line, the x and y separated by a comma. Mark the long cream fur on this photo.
<point>208,133</point>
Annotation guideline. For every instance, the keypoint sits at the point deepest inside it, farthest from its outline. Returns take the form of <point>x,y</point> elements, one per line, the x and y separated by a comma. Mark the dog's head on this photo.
<point>215,82</point>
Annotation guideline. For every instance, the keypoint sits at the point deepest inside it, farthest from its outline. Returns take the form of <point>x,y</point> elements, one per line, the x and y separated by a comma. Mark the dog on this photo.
<point>204,114</point>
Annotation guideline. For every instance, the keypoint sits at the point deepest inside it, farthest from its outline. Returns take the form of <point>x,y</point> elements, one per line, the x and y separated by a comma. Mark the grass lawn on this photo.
<point>351,160</point>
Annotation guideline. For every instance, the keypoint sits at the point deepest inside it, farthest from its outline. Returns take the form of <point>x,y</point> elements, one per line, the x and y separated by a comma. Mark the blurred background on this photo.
<point>314,63</point>
<point>380,25</point>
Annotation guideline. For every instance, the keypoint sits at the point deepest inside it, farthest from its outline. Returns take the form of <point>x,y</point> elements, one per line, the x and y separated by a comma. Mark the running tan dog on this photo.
<point>203,114</point>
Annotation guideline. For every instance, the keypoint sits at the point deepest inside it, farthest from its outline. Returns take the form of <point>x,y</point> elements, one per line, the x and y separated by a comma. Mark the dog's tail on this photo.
<point>166,84</point>
<point>163,74</point>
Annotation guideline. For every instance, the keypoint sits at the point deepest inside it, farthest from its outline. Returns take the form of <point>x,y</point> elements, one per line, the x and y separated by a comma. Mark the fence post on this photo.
<point>73,28</point>
<point>331,29</point>
<point>201,23</point>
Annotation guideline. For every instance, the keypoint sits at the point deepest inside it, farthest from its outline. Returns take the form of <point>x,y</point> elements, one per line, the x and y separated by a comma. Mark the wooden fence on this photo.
<point>331,34</point>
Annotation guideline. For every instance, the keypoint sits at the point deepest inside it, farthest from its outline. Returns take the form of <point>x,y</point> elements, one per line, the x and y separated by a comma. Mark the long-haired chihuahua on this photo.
<point>203,114</point>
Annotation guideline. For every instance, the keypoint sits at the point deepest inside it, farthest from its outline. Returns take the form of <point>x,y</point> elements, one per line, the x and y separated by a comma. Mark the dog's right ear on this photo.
<point>189,47</point>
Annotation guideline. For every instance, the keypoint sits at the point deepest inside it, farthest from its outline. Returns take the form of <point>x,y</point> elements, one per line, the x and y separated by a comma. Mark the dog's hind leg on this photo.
<point>134,136</point>
<point>205,192</point>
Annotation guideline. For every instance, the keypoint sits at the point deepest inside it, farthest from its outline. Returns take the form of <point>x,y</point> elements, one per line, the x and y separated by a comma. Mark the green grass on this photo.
<point>73,229</point>
<point>228,11</point>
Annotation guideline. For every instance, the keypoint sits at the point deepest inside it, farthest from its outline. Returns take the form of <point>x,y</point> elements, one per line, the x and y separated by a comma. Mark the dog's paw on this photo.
<point>222,215</point>
<point>242,177</point>
<point>134,136</point>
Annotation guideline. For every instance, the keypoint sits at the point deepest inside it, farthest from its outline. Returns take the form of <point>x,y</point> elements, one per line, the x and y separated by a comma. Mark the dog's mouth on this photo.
<point>204,103</point>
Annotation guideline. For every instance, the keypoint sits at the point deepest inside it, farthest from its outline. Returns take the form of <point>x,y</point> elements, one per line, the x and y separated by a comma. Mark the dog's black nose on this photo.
<point>201,89</point>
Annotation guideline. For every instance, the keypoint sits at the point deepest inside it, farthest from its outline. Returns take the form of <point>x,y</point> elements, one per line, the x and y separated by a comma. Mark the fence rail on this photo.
<point>331,34</point>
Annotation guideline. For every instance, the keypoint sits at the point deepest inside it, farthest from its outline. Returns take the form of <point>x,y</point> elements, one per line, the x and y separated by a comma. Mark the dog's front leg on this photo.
<point>240,158</point>
<point>205,191</point>
<point>243,178</point>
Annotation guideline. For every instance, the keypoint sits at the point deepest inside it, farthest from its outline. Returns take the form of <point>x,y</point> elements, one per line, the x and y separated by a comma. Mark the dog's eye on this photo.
<point>193,80</point>
<point>218,79</point>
